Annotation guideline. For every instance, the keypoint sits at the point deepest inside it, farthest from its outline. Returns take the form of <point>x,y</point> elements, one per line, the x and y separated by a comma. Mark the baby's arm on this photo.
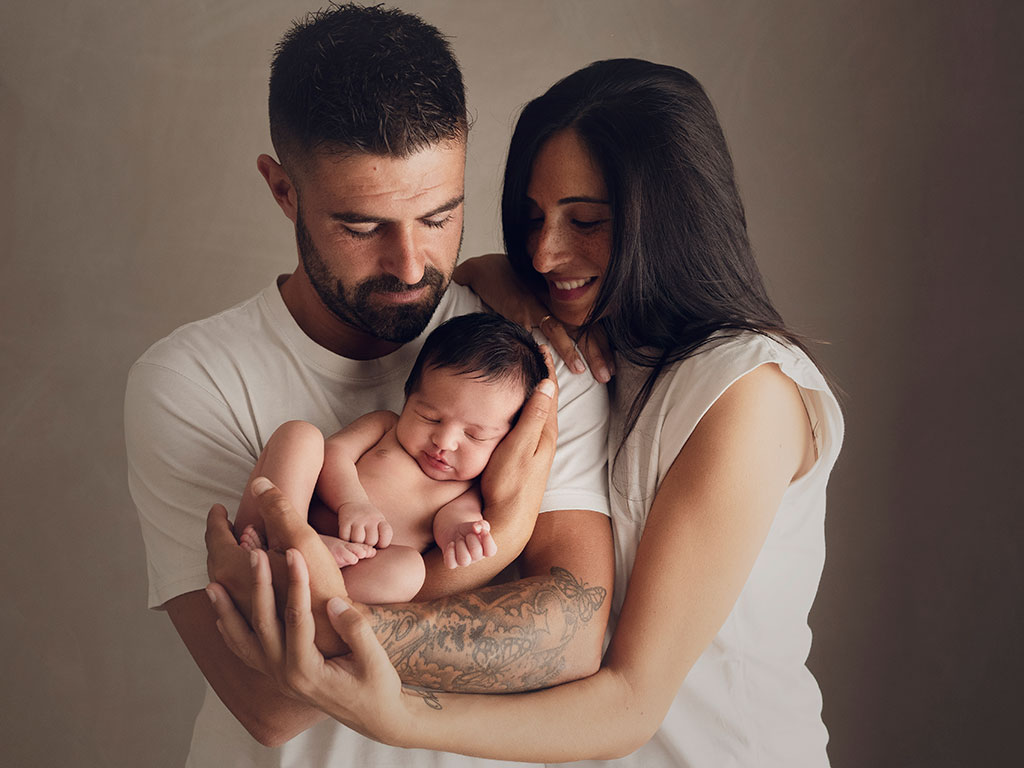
<point>339,488</point>
<point>461,533</point>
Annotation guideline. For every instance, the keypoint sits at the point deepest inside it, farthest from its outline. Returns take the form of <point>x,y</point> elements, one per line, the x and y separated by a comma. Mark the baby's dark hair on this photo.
<point>489,346</point>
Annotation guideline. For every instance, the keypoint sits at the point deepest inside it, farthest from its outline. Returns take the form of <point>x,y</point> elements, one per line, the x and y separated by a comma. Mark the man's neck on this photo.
<point>323,327</point>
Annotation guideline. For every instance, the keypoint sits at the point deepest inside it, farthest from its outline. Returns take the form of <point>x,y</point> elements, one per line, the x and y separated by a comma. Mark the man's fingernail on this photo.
<point>603,375</point>
<point>336,606</point>
<point>211,594</point>
<point>254,559</point>
<point>261,485</point>
<point>547,387</point>
<point>289,557</point>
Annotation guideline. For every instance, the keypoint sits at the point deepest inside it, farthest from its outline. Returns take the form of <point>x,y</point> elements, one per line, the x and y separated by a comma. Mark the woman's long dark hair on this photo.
<point>681,269</point>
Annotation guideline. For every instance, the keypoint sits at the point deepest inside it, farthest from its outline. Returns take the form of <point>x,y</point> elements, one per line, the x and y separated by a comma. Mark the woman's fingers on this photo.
<point>233,628</point>
<point>594,347</point>
<point>367,652</point>
<point>304,663</point>
<point>563,343</point>
<point>591,347</point>
<point>264,608</point>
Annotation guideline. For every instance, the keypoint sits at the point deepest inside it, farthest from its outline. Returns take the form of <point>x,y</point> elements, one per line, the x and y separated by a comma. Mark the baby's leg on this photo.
<point>291,459</point>
<point>393,575</point>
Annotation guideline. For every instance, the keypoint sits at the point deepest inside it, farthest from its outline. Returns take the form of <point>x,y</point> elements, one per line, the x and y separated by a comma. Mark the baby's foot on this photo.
<point>347,552</point>
<point>250,540</point>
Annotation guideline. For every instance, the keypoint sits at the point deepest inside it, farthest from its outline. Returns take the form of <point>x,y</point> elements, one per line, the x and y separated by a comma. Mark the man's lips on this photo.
<point>401,297</point>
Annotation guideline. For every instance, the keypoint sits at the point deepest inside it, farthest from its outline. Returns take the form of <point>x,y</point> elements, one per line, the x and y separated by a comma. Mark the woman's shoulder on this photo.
<point>687,389</point>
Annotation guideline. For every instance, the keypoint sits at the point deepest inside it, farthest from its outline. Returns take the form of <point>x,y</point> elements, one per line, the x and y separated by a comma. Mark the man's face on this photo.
<point>378,237</point>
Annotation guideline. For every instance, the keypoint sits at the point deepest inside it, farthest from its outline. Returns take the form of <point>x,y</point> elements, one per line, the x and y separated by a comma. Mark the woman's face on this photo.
<point>570,225</point>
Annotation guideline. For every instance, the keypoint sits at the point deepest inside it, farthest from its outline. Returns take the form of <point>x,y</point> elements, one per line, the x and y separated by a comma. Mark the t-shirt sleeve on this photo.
<point>579,477</point>
<point>186,451</point>
<point>693,390</point>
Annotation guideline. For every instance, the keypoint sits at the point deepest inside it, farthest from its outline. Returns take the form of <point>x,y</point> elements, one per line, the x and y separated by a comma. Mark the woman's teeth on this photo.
<point>568,285</point>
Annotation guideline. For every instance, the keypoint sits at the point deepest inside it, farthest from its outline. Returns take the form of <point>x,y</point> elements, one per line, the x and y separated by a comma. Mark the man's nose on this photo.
<point>405,259</point>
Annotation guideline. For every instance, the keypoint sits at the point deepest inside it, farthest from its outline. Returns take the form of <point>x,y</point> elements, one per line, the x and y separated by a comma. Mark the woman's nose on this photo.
<point>550,250</point>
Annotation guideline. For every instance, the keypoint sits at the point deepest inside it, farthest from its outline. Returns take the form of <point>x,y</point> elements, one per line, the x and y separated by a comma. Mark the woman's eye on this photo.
<point>534,222</point>
<point>581,224</point>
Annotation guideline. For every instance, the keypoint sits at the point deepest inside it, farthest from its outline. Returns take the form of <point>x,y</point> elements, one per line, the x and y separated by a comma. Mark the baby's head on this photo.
<point>464,393</point>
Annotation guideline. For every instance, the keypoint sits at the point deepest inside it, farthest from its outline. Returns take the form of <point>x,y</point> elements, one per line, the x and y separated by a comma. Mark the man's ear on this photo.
<point>281,185</point>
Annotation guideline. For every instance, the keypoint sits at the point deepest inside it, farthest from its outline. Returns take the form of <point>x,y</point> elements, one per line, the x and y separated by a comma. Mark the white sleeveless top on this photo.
<point>749,700</point>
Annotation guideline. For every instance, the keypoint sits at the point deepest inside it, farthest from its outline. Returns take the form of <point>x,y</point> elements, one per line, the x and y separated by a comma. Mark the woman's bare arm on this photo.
<point>493,280</point>
<point>707,524</point>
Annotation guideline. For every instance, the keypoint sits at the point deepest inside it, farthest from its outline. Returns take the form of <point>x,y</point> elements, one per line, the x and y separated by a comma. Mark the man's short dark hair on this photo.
<point>485,346</point>
<point>364,79</point>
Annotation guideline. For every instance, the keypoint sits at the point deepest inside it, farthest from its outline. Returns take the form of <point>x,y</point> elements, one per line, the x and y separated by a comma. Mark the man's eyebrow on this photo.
<point>352,217</point>
<point>452,204</point>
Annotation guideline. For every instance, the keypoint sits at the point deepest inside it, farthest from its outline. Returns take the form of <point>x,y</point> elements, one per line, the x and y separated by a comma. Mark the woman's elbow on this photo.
<point>637,718</point>
<point>266,729</point>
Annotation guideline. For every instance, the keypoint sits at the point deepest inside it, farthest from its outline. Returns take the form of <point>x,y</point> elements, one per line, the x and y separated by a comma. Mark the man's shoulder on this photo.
<point>210,338</point>
<point>459,300</point>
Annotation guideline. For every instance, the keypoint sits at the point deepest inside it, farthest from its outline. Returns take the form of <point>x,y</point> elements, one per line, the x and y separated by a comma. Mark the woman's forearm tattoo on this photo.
<point>504,638</point>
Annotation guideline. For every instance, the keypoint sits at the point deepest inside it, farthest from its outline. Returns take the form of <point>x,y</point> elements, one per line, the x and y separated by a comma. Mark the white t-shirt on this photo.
<point>199,407</point>
<point>749,700</point>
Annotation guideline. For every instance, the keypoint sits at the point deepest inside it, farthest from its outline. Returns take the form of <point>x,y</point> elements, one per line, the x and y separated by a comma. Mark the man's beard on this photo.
<point>398,323</point>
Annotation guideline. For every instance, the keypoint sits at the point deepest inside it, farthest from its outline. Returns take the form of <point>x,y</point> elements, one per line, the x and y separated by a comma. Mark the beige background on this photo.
<point>876,145</point>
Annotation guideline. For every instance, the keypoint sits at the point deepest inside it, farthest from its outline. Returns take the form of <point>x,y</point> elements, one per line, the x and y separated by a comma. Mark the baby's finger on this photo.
<point>384,534</point>
<point>358,534</point>
<point>474,548</point>
<point>490,548</point>
<point>462,556</point>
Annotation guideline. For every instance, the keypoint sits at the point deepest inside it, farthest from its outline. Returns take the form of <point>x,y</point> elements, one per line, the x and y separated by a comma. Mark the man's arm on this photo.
<point>253,698</point>
<point>543,630</point>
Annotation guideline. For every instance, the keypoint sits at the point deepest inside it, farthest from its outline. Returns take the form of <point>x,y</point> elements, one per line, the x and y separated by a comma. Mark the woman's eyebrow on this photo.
<point>582,199</point>
<point>573,199</point>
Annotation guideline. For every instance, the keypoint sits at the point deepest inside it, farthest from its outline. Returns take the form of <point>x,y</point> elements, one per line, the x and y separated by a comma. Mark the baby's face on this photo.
<point>452,423</point>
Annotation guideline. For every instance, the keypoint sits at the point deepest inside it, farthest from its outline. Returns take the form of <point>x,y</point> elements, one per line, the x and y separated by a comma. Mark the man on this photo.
<point>368,121</point>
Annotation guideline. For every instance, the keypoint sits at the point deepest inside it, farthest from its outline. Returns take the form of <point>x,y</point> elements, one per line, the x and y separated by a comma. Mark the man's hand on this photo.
<point>230,566</point>
<point>519,466</point>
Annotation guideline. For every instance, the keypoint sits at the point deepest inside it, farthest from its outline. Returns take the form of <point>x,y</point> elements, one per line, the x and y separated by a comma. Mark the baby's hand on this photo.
<point>362,523</point>
<point>468,542</point>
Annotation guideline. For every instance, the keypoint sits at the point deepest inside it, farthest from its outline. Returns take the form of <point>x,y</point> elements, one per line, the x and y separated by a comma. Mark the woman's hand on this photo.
<point>360,690</point>
<point>228,563</point>
<point>494,281</point>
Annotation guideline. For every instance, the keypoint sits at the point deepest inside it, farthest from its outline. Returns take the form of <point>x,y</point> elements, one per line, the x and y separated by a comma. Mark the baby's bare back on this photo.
<point>398,487</point>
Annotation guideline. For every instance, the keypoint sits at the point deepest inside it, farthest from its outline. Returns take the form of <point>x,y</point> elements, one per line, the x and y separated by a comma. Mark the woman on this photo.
<point>621,214</point>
